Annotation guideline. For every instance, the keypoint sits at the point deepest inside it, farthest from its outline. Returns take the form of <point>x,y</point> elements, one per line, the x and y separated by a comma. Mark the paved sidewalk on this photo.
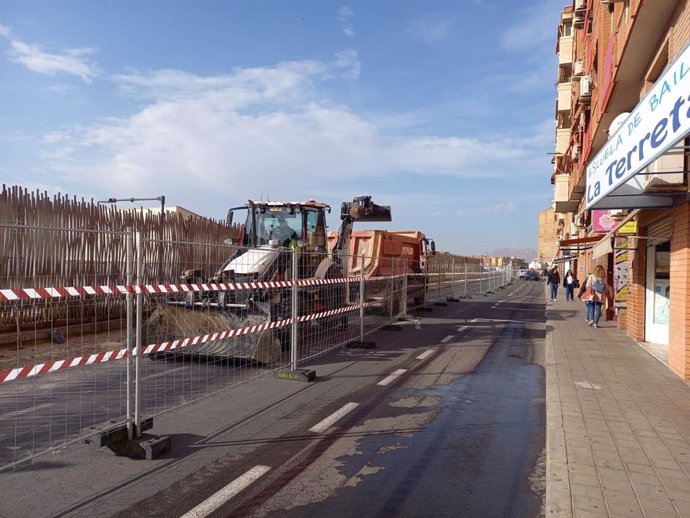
<point>618,423</point>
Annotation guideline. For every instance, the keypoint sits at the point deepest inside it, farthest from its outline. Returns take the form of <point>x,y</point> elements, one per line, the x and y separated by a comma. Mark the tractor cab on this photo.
<point>274,226</point>
<point>284,224</point>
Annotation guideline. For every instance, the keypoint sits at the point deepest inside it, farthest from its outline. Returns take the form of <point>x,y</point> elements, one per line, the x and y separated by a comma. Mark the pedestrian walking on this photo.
<point>586,295</point>
<point>595,292</point>
<point>570,283</point>
<point>553,280</point>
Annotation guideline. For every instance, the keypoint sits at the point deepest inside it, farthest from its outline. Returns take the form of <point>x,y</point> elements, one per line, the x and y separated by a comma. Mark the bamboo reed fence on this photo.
<point>61,241</point>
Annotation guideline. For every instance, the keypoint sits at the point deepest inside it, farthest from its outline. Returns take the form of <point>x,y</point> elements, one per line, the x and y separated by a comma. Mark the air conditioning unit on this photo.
<point>575,152</point>
<point>586,86</point>
<point>578,68</point>
<point>581,220</point>
<point>617,213</point>
<point>666,172</point>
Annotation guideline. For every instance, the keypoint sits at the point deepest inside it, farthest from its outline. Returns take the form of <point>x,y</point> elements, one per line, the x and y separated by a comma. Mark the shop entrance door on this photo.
<point>657,288</point>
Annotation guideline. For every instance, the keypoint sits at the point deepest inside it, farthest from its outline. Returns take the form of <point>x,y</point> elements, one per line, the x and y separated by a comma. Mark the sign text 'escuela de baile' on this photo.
<point>660,120</point>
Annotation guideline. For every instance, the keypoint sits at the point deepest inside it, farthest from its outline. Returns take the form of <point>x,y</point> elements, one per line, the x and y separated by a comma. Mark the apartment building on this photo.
<point>621,162</point>
<point>550,226</point>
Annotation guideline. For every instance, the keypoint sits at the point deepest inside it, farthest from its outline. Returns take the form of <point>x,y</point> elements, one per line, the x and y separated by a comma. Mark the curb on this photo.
<point>558,492</point>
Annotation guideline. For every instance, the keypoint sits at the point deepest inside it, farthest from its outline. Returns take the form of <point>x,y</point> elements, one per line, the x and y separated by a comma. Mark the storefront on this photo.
<point>658,282</point>
<point>641,176</point>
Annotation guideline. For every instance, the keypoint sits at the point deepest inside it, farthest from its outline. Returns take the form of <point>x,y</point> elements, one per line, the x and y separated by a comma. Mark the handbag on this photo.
<point>576,284</point>
<point>588,295</point>
<point>598,286</point>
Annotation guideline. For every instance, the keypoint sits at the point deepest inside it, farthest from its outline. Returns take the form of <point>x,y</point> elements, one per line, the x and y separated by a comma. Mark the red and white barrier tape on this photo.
<point>52,366</point>
<point>155,289</point>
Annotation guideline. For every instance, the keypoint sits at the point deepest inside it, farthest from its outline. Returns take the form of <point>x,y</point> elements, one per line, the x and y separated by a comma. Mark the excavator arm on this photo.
<point>360,208</point>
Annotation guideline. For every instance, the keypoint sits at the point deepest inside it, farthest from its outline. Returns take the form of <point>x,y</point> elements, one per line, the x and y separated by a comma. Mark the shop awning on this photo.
<point>577,244</point>
<point>603,247</point>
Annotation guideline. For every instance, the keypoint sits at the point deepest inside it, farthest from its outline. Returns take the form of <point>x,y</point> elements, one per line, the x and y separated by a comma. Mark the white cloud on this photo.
<point>345,15</point>
<point>506,207</point>
<point>285,83</point>
<point>431,29</point>
<point>61,89</point>
<point>534,27</point>
<point>70,62</point>
<point>262,128</point>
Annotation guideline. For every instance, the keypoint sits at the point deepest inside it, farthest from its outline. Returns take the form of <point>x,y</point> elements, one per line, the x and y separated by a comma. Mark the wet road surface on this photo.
<point>452,438</point>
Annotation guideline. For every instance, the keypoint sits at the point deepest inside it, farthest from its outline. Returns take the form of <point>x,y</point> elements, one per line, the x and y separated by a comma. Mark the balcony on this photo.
<point>565,50</point>
<point>562,140</point>
<point>565,97</point>
<point>561,199</point>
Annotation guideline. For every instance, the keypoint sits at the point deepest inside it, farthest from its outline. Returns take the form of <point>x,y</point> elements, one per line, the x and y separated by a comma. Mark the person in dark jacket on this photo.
<point>553,280</point>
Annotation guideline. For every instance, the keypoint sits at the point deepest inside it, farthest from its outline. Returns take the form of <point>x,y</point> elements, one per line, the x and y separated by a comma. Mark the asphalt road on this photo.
<point>459,433</point>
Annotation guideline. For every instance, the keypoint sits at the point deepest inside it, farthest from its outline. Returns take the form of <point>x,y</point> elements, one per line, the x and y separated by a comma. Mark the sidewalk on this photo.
<point>618,423</point>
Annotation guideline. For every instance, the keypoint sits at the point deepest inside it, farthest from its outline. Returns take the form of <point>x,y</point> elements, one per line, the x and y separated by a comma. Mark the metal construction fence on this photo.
<point>78,359</point>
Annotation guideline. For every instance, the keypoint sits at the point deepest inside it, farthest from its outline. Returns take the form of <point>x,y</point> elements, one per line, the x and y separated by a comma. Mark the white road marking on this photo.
<point>425,354</point>
<point>233,488</point>
<point>26,410</point>
<point>447,339</point>
<point>461,329</point>
<point>333,418</point>
<point>474,320</point>
<point>493,320</point>
<point>390,379</point>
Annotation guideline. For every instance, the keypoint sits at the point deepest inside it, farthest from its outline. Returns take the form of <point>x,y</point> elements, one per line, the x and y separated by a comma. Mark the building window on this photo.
<point>567,28</point>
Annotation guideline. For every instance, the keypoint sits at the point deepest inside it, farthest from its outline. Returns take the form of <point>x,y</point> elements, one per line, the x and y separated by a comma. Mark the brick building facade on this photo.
<point>618,59</point>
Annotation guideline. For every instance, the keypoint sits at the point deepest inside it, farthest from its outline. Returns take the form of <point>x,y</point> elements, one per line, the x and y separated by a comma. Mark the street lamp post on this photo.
<point>161,223</point>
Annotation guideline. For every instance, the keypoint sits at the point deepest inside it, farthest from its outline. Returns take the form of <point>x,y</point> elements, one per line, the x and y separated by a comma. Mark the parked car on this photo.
<point>532,276</point>
<point>523,273</point>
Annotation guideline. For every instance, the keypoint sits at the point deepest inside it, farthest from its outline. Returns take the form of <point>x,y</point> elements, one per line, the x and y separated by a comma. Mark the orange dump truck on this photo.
<point>390,252</point>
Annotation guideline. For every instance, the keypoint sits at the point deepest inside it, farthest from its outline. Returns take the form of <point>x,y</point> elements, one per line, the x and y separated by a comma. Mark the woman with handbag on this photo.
<point>600,291</point>
<point>594,292</point>
<point>586,294</point>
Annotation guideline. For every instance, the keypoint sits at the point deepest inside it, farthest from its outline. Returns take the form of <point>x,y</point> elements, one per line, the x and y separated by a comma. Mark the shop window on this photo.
<point>662,283</point>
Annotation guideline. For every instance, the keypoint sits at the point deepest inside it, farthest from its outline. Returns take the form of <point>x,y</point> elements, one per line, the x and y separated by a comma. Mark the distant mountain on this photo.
<point>522,253</point>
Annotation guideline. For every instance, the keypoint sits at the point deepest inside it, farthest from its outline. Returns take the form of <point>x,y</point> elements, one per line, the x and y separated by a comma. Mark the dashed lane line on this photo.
<point>447,339</point>
<point>232,489</point>
<point>390,379</point>
<point>425,354</point>
<point>461,329</point>
<point>333,418</point>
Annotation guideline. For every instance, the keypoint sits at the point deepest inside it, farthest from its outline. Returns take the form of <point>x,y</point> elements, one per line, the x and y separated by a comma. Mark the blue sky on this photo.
<point>442,109</point>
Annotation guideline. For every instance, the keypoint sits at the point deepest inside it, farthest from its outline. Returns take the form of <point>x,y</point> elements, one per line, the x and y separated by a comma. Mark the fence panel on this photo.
<point>59,376</point>
<point>209,317</point>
